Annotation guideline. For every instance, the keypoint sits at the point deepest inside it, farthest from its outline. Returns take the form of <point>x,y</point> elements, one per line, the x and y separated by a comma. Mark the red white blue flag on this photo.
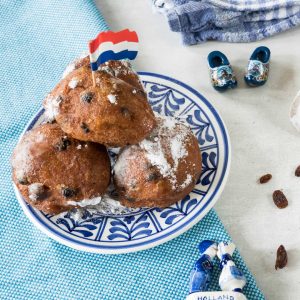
<point>109,45</point>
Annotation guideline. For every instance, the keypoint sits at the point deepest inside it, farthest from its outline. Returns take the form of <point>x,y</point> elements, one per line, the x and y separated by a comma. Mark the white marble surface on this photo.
<point>262,137</point>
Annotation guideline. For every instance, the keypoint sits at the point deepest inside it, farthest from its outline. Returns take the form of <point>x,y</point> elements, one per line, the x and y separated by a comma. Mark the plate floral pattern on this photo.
<point>144,228</point>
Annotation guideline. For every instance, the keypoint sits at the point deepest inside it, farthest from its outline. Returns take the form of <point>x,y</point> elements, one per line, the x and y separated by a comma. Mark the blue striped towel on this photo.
<point>229,20</point>
<point>38,39</point>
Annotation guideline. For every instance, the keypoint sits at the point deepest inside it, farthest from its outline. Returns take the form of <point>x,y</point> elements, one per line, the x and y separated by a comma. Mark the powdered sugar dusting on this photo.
<point>34,190</point>
<point>169,123</point>
<point>70,68</point>
<point>73,83</point>
<point>156,155</point>
<point>111,206</point>
<point>23,156</point>
<point>112,99</point>
<point>20,175</point>
<point>119,165</point>
<point>51,106</point>
<point>178,150</point>
<point>128,66</point>
<point>126,63</point>
<point>107,69</point>
<point>174,134</point>
<point>123,69</point>
<point>103,205</point>
<point>187,181</point>
<point>85,202</point>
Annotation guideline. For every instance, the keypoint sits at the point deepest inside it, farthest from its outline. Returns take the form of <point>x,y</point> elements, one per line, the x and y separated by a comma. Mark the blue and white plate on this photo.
<point>146,228</point>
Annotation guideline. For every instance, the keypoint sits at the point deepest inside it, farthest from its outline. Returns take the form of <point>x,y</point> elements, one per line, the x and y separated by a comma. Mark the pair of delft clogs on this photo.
<point>222,75</point>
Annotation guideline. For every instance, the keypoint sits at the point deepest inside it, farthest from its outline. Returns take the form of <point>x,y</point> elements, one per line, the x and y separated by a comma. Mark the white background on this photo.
<point>262,137</point>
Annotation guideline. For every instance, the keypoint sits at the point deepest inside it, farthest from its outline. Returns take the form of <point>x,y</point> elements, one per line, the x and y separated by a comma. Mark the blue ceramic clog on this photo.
<point>258,67</point>
<point>221,73</point>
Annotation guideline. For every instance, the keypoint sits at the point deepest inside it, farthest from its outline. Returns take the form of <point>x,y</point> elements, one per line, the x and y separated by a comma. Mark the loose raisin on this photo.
<point>280,199</point>
<point>281,258</point>
<point>265,178</point>
<point>87,97</point>
<point>297,171</point>
<point>85,128</point>
<point>68,192</point>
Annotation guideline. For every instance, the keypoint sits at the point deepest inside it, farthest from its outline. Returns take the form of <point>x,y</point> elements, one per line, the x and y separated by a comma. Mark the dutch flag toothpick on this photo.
<point>109,45</point>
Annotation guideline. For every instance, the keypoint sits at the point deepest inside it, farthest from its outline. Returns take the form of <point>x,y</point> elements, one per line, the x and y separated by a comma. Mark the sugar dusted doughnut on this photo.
<point>55,172</point>
<point>161,169</point>
<point>115,112</point>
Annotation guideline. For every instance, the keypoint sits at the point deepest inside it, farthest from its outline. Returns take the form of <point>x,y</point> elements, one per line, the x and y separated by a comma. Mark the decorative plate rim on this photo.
<point>175,232</point>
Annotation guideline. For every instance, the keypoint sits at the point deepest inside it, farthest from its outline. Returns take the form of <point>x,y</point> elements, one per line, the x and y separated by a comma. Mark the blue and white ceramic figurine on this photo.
<point>231,279</point>
<point>221,72</point>
<point>258,67</point>
<point>200,275</point>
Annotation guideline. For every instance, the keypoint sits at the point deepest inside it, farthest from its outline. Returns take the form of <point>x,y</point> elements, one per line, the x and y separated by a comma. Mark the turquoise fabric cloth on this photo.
<point>38,38</point>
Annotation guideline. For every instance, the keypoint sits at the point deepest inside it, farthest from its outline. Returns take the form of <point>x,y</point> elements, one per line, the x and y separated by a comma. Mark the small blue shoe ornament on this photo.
<point>221,73</point>
<point>201,275</point>
<point>258,67</point>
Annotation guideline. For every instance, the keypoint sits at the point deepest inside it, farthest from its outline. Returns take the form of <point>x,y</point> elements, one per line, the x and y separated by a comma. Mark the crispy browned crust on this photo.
<point>85,170</point>
<point>125,122</point>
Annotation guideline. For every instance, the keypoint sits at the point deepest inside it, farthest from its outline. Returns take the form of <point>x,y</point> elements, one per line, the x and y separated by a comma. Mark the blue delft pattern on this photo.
<point>164,100</point>
<point>177,211</point>
<point>209,167</point>
<point>223,77</point>
<point>257,72</point>
<point>143,223</point>
<point>129,227</point>
<point>85,227</point>
<point>200,126</point>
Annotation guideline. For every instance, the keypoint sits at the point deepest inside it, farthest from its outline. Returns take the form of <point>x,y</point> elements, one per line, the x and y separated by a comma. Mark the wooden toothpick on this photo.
<point>94,80</point>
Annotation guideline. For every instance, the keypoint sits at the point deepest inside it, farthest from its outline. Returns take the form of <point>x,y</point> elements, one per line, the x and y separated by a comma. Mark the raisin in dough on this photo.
<point>115,112</point>
<point>161,169</point>
<point>55,172</point>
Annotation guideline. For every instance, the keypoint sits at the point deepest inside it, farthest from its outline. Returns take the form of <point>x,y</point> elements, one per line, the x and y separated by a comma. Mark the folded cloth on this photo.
<point>229,20</point>
<point>38,39</point>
